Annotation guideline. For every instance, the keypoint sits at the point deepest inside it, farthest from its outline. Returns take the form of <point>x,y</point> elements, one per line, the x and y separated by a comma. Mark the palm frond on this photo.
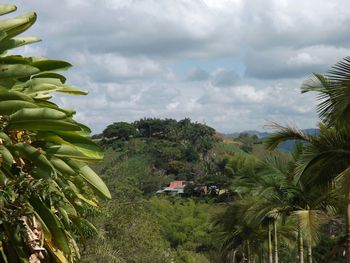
<point>285,133</point>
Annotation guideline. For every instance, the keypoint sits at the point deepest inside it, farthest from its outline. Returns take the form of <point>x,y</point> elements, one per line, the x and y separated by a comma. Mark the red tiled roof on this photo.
<point>176,184</point>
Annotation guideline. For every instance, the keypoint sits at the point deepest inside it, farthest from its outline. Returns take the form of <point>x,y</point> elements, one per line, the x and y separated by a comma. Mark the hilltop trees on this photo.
<point>45,184</point>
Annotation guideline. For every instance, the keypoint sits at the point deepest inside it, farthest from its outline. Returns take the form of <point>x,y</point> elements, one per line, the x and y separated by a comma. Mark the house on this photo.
<point>174,188</point>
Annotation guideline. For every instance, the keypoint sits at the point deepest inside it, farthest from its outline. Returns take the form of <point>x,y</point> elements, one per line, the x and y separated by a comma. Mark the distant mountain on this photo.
<point>249,132</point>
<point>286,146</point>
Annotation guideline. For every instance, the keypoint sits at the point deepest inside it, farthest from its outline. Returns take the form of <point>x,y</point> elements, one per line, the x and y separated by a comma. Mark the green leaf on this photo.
<point>37,86</point>
<point>14,59</point>
<point>6,156</point>
<point>92,178</point>
<point>72,90</point>
<point>36,156</point>
<point>42,114</point>
<point>17,71</point>
<point>5,9</point>
<point>51,75</point>
<point>61,166</point>
<point>81,143</point>
<point>66,151</point>
<point>49,65</point>
<point>41,119</point>
<point>14,95</point>
<point>11,106</point>
<point>48,104</point>
<point>17,25</point>
<point>45,125</point>
<point>14,43</point>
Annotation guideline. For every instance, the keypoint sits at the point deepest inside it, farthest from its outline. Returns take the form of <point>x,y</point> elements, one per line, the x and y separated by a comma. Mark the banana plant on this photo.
<point>46,185</point>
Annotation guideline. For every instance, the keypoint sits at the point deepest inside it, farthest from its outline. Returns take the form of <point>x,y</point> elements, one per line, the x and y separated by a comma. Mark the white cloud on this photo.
<point>179,58</point>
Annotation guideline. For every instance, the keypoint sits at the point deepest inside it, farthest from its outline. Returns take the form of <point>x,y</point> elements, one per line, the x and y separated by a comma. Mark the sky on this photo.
<point>232,64</point>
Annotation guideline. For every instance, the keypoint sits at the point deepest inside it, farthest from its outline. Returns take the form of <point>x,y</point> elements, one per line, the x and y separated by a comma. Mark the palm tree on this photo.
<point>282,196</point>
<point>324,162</point>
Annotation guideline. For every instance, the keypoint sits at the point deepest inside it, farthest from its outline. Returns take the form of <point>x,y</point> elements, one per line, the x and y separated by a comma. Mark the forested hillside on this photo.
<point>143,157</point>
<point>257,198</point>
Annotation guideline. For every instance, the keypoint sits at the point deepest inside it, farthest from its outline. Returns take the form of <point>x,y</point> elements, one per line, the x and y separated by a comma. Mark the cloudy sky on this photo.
<point>232,64</point>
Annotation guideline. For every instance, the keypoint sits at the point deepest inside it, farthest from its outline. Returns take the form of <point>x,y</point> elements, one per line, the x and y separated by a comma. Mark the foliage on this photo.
<point>184,222</point>
<point>45,185</point>
<point>128,231</point>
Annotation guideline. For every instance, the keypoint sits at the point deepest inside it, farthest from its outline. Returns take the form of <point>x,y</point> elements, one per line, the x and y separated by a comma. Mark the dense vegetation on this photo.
<point>138,163</point>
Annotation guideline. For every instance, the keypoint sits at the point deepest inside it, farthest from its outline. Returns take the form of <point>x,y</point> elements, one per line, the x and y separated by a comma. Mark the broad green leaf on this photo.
<point>66,151</point>
<point>17,71</point>
<point>61,166</point>
<point>14,59</point>
<point>36,86</point>
<point>6,156</point>
<point>40,119</point>
<point>48,104</point>
<point>45,125</point>
<point>81,143</point>
<point>42,96</point>
<point>14,43</point>
<point>49,65</point>
<point>5,9</point>
<point>51,75</point>
<point>14,95</point>
<point>11,106</point>
<point>36,156</point>
<point>71,90</point>
<point>40,114</point>
<point>92,178</point>
<point>85,130</point>
<point>17,25</point>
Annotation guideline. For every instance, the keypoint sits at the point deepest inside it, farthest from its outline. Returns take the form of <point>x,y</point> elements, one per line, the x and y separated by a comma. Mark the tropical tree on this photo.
<point>46,186</point>
<point>324,161</point>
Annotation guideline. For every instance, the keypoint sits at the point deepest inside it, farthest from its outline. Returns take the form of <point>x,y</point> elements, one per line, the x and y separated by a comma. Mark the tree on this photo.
<point>45,184</point>
<point>324,161</point>
<point>120,130</point>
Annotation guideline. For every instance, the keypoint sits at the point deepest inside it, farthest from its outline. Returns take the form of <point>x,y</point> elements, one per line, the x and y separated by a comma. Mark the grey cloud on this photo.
<point>126,53</point>
<point>292,63</point>
<point>223,77</point>
<point>197,74</point>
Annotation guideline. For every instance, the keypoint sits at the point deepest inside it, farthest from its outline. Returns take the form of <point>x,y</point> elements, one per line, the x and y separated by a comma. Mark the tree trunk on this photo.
<point>248,251</point>
<point>270,246</point>
<point>301,246</point>
<point>348,229</point>
<point>275,241</point>
<point>309,251</point>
